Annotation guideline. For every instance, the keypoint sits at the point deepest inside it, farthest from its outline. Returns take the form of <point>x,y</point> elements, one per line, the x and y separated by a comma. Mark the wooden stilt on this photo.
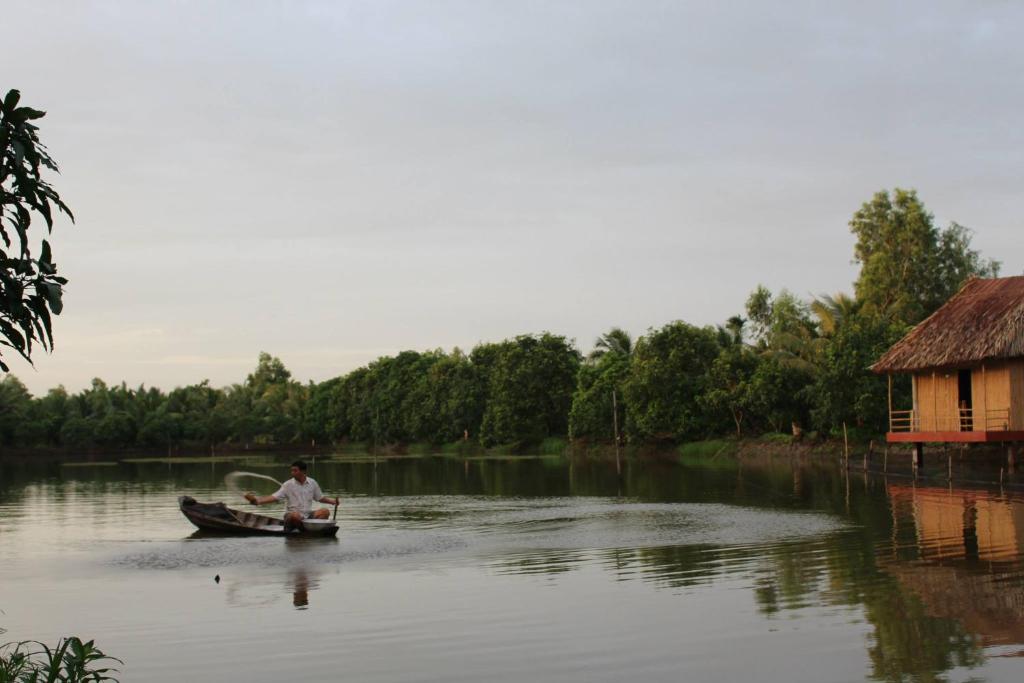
<point>889,375</point>
<point>615,424</point>
<point>846,448</point>
<point>918,457</point>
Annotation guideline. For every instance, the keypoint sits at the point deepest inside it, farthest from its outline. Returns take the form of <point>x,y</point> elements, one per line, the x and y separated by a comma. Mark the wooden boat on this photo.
<point>219,517</point>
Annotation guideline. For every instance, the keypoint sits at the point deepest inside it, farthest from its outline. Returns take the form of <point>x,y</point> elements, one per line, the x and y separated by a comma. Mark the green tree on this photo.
<point>844,389</point>
<point>777,398</point>
<point>832,310</point>
<point>30,288</point>
<point>667,381</point>
<point>15,409</point>
<point>783,328</point>
<point>729,386</point>
<point>47,417</point>
<point>615,340</point>
<point>269,371</point>
<point>909,267</point>
<point>448,401</point>
<point>530,389</point>
<point>591,414</point>
<point>316,418</point>
<point>277,402</point>
<point>350,409</point>
<point>238,412</point>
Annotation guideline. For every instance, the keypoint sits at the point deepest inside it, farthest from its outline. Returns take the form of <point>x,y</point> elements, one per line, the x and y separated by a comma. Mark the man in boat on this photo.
<point>300,491</point>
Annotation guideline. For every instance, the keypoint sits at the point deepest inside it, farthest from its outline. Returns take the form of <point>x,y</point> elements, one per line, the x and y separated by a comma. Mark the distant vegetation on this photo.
<point>785,365</point>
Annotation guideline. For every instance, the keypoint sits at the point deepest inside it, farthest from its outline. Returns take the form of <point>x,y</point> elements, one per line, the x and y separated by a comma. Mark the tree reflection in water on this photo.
<point>934,574</point>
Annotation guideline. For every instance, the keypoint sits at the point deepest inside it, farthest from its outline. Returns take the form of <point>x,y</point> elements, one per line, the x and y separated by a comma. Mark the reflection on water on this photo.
<point>301,584</point>
<point>969,547</point>
<point>527,568</point>
<point>953,524</point>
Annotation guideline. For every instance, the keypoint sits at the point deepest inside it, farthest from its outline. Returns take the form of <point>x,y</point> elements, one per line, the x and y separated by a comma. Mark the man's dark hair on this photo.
<point>301,464</point>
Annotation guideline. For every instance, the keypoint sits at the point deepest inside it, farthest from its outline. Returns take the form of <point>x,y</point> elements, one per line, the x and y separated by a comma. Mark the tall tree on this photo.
<point>783,328</point>
<point>15,405</point>
<point>832,310</point>
<point>615,340</point>
<point>909,267</point>
<point>530,388</point>
<point>593,412</point>
<point>667,380</point>
<point>844,389</point>
<point>30,288</point>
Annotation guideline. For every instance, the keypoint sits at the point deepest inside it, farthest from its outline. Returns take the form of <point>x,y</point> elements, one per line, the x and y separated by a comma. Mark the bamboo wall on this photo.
<point>998,391</point>
<point>1016,368</point>
<point>997,398</point>
<point>936,404</point>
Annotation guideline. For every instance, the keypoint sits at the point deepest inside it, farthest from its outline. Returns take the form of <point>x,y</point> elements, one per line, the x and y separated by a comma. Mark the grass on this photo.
<point>712,448</point>
<point>553,445</point>
<point>503,449</point>
<point>186,460</point>
<point>461,449</point>
<point>353,447</point>
<point>776,437</point>
<point>69,661</point>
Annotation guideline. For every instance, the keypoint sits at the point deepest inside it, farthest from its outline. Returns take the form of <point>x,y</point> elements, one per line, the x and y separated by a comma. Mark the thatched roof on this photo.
<point>983,321</point>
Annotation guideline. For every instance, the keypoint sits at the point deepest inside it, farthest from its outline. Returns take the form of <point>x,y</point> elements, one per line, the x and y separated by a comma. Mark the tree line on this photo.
<point>784,364</point>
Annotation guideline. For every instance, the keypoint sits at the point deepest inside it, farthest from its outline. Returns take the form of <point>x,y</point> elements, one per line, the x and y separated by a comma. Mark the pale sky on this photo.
<point>335,181</point>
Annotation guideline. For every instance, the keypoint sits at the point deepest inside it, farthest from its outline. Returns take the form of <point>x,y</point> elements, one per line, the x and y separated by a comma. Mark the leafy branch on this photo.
<point>30,288</point>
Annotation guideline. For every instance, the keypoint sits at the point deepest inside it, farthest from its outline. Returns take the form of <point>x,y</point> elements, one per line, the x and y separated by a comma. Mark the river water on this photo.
<point>523,569</point>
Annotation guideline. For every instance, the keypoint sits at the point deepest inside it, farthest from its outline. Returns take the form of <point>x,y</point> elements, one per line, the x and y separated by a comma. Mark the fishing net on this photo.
<point>241,483</point>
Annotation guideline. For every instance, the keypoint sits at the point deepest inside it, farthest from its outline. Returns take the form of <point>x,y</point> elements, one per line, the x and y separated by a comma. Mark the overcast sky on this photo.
<point>335,181</point>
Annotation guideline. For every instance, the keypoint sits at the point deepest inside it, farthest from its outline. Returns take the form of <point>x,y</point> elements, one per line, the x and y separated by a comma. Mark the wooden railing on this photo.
<point>963,420</point>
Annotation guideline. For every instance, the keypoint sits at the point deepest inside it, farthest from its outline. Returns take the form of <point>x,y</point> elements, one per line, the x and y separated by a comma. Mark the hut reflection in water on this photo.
<point>969,545</point>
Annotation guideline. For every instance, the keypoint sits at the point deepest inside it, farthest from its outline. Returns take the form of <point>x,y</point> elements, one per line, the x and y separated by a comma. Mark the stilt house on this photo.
<point>967,365</point>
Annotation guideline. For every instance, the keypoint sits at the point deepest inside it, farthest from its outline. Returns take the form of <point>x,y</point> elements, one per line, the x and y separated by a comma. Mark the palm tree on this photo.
<point>831,311</point>
<point>616,341</point>
<point>731,334</point>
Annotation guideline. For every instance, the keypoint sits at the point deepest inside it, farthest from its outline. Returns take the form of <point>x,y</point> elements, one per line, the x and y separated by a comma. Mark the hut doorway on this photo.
<point>964,394</point>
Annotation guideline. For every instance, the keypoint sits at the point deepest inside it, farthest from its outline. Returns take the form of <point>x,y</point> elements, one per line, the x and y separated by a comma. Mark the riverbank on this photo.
<point>768,445</point>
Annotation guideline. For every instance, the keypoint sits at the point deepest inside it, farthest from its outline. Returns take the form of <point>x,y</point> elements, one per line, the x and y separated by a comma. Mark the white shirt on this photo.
<point>300,496</point>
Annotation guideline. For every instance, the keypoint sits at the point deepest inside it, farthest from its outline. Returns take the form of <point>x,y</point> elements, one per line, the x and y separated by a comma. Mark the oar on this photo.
<point>335,518</point>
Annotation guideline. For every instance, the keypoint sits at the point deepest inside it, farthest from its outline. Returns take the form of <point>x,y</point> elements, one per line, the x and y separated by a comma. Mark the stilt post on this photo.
<point>846,448</point>
<point>615,423</point>
<point>889,375</point>
<point>918,457</point>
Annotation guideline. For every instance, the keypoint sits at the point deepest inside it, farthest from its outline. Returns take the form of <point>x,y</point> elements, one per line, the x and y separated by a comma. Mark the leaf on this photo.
<point>54,295</point>
<point>11,99</point>
<point>29,114</point>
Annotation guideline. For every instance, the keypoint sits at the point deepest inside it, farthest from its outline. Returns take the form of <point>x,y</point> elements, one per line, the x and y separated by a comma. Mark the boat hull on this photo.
<point>220,518</point>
